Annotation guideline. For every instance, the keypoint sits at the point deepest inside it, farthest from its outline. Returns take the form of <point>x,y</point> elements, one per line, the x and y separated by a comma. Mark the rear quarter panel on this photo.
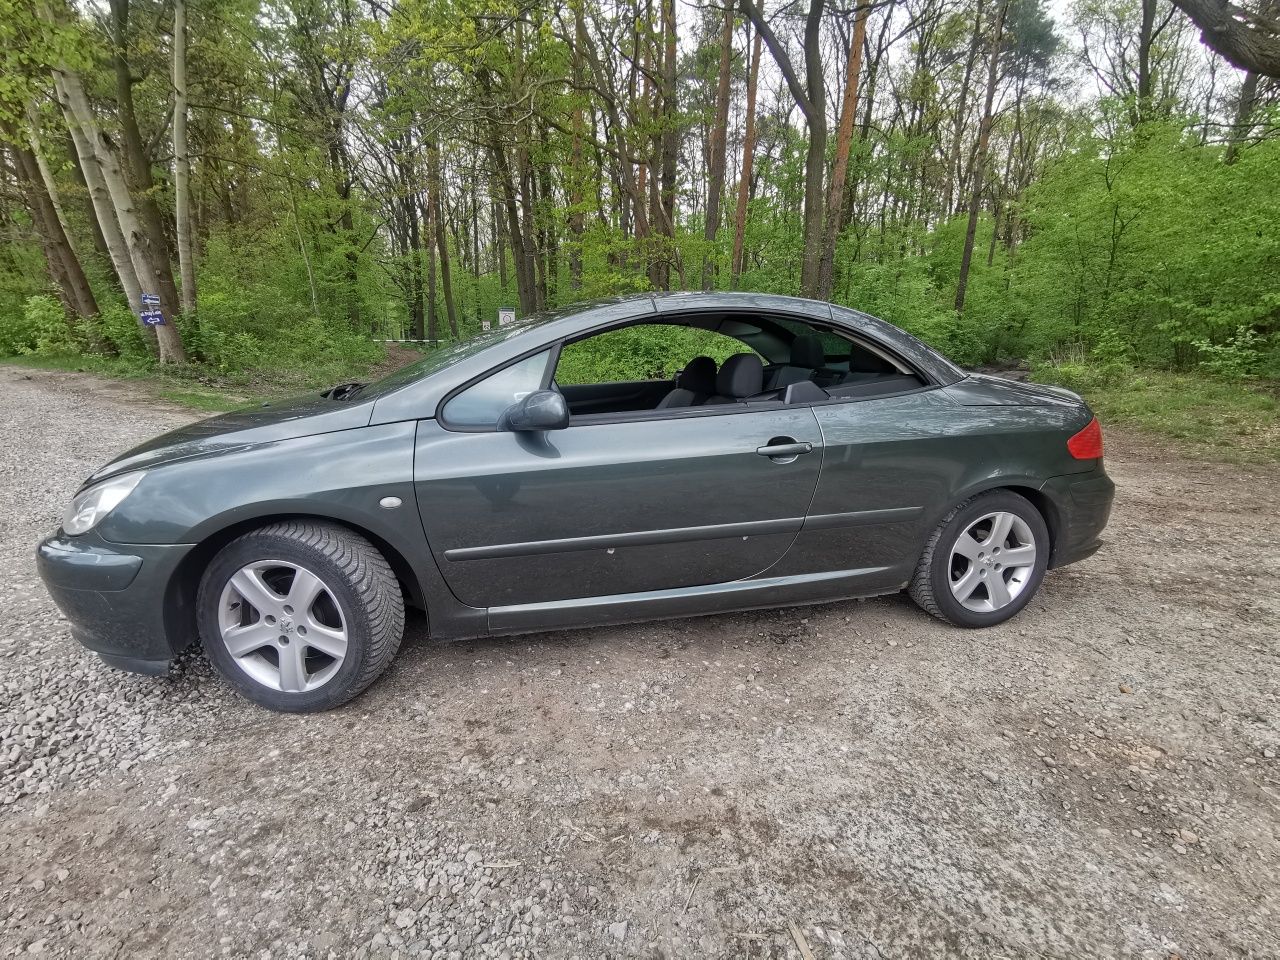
<point>919,455</point>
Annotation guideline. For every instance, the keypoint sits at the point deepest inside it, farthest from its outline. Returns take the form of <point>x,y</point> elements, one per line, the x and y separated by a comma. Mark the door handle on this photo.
<point>784,449</point>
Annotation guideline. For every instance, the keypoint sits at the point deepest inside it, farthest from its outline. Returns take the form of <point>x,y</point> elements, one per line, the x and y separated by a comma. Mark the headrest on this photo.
<point>698,376</point>
<point>862,360</point>
<point>742,375</point>
<point>806,351</point>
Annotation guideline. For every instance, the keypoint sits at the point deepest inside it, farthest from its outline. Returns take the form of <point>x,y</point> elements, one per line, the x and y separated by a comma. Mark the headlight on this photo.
<point>93,504</point>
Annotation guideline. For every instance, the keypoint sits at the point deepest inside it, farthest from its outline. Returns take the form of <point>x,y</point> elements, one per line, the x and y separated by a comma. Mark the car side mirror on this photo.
<point>540,410</point>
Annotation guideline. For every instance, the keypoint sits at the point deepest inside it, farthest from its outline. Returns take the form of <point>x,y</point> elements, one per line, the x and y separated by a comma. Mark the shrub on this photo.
<point>117,325</point>
<point>40,327</point>
<point>1241,356</point>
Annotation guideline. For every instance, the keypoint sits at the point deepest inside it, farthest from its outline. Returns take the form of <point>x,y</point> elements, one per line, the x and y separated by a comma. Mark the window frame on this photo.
<point>679,413</point>
<point>553,352</point>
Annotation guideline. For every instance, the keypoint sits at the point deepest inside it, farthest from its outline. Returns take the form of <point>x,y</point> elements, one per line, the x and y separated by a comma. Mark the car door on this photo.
<point>890,464</point>
<point>633,503</point>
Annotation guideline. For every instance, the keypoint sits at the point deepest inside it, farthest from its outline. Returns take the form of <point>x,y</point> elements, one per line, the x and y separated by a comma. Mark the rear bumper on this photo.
<point>117,597</point>
<point>1082,503</point>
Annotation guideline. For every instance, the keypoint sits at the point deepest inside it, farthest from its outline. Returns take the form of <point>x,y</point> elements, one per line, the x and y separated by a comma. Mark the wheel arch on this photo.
<point>1025,486</point>
<point>180,595</point>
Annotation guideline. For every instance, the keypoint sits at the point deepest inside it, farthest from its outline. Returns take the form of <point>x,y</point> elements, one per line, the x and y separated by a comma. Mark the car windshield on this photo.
<point>445,356</point>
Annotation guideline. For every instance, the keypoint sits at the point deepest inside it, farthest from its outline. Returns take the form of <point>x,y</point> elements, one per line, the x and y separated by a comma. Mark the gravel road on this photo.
<point>1096,778</point>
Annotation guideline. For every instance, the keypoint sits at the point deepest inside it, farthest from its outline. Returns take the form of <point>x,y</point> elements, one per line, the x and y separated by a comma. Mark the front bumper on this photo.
<point>119,598</point>
<point>1082,507</point>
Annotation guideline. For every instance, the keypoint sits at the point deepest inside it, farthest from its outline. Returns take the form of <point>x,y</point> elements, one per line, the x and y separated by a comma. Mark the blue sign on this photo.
<point>152,318</point>
<point>150,300</point>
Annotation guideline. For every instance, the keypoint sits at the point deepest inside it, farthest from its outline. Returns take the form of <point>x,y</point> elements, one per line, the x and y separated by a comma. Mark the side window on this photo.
<point>482,403</point>
<point>646,351</point>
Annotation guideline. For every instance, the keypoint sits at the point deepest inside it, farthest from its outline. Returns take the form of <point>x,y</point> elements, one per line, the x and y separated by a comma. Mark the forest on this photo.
<point>286,185</point>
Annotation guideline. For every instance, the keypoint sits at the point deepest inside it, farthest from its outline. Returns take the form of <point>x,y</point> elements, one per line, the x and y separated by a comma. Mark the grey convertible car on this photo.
<point>826,455</point>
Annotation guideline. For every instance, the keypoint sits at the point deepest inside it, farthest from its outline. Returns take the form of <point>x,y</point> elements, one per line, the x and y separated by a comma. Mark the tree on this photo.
<point>748,158</point>
<point>811,98</point>
<point>181,161</point>
<point>718,147</point>
<point>844,142</point>
<point>1247,39</point>
<point>980,154</point>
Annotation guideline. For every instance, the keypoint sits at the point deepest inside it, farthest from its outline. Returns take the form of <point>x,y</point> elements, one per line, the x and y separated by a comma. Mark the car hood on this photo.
<point>271,422</point>
<point>984,390</point>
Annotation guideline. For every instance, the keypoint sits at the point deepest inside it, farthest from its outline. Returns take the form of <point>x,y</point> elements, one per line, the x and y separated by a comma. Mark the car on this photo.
<point>805,453</point>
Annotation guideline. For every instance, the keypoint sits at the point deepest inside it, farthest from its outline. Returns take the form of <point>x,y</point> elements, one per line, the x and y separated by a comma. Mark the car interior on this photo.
<point>781,360</point>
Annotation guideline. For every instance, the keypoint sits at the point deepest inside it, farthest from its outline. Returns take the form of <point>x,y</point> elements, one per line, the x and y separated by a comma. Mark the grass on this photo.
<point>1236,421</point>
<point>207,401</point>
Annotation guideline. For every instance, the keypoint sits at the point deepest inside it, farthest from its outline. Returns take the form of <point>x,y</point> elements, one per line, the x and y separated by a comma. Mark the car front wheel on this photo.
<point>300,616</point>
<point>984,562</point>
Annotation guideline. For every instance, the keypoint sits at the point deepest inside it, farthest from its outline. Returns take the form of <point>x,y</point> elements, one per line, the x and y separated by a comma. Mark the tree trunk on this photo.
<point>524,283</point>
<point>414,256</point>
<point>577,170</point>
<point>433,323</point>
<point>812,101</point>
<point>442,246</point>
<point>719,146</point>
<point>148,265</point>
<point>748,155</point>
<point>182,162</point>
<point>1243,124</point>
<point>1250,41</point>
<point>670,145</point>
<point>1146,38</point>
<point>43,193</point>
<point>957,134</point>
<point>63,264</point>
<point>844,143</point>
<point>104,211</point>
<point>86,205</point>
<point>980,158</point>
<point>136,168</point>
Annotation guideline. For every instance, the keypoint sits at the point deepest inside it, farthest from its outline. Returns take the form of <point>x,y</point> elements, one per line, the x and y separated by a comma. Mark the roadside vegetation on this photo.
<point>1232,420</point>
<point>1093,193</point>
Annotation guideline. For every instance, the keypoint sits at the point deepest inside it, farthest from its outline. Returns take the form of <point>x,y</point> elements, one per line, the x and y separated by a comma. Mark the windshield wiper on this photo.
<point>344,391</point>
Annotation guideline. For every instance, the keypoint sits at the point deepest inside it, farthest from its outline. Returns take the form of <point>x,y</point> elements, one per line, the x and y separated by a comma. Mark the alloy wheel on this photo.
<point>992,562</point>
<point>282,626</point>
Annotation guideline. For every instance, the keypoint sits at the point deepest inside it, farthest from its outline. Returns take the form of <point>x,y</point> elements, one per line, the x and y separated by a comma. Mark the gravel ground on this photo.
<point>1097,777</point>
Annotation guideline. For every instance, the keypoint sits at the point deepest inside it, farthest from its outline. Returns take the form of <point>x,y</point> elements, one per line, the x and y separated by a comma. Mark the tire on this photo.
<point>339,633</point>
<point>956,579</point>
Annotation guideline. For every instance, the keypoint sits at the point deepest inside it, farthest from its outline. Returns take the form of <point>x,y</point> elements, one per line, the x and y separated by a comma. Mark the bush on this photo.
<point>118,326</point>
<point>40,327</point>
<point>1242,355</point>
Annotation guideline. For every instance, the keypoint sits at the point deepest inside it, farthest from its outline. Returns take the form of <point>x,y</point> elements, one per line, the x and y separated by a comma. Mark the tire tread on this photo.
<point>920,589</point>
<point>366,572</point>
<point>922,586</point>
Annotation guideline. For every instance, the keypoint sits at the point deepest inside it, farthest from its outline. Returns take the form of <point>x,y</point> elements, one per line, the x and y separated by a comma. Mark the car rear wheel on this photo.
<point>300,616</point>
<point>984,562</point>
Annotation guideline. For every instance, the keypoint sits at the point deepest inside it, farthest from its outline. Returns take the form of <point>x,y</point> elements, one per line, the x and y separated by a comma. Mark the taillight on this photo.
<point>1087,444</point>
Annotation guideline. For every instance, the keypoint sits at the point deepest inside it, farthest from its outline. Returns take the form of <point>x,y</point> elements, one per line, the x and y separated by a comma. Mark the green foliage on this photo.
<point>1151,239</point>
<point>1218,418</point>
<point>1241,355</point>
<point>643,352</point>
<point>120,328</point>
<point>40,327</point>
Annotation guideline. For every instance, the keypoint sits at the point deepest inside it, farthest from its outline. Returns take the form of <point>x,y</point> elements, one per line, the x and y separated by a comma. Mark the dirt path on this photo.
<point>1096,778</point>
